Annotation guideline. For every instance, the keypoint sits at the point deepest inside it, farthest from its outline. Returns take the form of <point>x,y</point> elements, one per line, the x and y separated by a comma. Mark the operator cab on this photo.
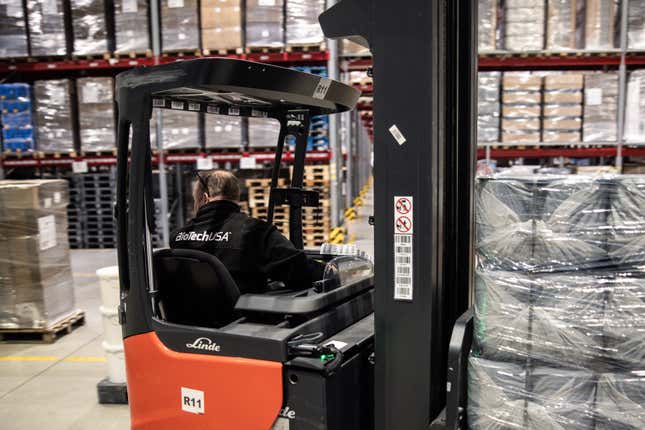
<point>182,314</point>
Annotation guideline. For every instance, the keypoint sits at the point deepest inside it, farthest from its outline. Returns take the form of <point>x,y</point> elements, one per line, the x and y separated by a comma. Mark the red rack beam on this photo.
<point>559,152</point>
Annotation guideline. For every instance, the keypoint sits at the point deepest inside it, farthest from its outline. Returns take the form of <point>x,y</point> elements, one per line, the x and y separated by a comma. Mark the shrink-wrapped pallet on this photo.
<point>54,115</point>
<point>600,107</point>
<point>636,25</point>
<point>221,25</point>
<point>263,132</point>
<point>521,107</point>
<point>488,106</point>
<point>131,26</point>
<point>565,25</point>
<point>179,25</point>
<point>16,117</point>
<point>35,272</point>
<point>635,108</point>
<point>602,23</point>
<point>487,28</point>
<point>524,25</point>
<point>180,129</point>
<point>89,27</point>
<point>96,114</point>
<point>302,26</point>
<point>264,23</point>
<point>46,27</point>
<point>223,131</point>
<point>562,108</point>
<point>13,34</point>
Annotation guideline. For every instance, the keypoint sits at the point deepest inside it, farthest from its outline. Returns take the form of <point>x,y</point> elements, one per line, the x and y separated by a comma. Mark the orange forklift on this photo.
<point>365,347</point>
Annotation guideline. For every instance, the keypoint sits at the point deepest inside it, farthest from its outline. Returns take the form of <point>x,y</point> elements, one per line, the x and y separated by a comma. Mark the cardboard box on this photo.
<point>522,81</point>
<point>220,14</point>
<point>567,81</point>
<point>524,98</point>
<point>521,137</point>
<point>551,111</point>
<point>561,97</point>
<point>562,124</point>
<point>514,111</point>
<point>558,136</point>
<point>222,39</point>
<point>521,124</point>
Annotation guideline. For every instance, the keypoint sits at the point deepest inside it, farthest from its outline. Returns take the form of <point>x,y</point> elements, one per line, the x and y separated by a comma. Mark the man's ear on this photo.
<point>205,197</point>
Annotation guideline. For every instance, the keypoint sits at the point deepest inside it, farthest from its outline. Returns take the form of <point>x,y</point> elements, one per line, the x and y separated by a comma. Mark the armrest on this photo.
<point>457,378</point>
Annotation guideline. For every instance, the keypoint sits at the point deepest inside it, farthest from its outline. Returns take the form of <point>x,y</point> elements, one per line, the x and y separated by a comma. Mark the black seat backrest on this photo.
<point>195,288</point>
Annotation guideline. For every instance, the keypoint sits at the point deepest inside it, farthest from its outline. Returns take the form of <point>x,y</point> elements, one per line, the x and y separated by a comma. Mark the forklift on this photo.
<point>362,348</point>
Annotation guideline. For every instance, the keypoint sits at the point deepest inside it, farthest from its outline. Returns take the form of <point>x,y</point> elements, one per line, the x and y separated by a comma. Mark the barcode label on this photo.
<point>212,109</point>
<point>196,107</point>
<point>232,110</point>
<point>158,103</point>
<point>398,136</point>
<point>177,105</point>
<point>403,267</point>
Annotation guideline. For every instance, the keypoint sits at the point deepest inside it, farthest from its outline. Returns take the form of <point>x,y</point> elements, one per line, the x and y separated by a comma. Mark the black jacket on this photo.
<point>251,249</point>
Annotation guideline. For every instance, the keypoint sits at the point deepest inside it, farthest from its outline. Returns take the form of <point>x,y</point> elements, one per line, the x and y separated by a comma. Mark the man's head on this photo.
<point>215,185</point>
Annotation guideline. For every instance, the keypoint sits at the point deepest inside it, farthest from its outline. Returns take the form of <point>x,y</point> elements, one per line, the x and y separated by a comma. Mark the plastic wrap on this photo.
<point>54,115</point>
<point>636,25</point>
<point>223,131</point>
<point>88,22</point>
<point>179,25</point>
<point>521,107</point>
<point>565,25</point>
<point>489,106</point>
<point>263,132</point>
<point>264,23</point>
<point>180,129</point>
<point>13,35</point>
<point>562,108</point>
<point>487,28</point>
<point>600,107</point>
<point>221,24</point>
<point>524,25</point>
<point>346,270</point>
<point>635,109</point>
<point>17,127</point>
<point>509,396</point>
<point>302,22</point>
<point>46,27</point>
<point>96,114</point>
<point>131,26</point>
<point>601,24</point>
<point>36,285</point>
<point>620,401</point>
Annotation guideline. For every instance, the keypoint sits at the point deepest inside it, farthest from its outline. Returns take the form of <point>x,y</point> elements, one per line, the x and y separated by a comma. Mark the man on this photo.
<point>252,250</point>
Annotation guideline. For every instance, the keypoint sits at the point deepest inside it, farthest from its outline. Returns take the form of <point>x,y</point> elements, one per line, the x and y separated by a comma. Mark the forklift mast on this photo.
<point>425,65</point>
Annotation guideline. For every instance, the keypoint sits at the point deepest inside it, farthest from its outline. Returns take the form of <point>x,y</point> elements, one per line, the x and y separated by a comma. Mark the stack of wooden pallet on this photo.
<point>315,220</point>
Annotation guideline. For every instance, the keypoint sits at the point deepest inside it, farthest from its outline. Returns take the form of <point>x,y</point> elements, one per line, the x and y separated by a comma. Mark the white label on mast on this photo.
<point>403,247</point>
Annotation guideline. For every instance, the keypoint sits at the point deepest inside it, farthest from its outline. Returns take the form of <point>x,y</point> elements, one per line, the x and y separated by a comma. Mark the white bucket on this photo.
<point>115,362</point>
<point>109,282</point>
<point>111,328</point>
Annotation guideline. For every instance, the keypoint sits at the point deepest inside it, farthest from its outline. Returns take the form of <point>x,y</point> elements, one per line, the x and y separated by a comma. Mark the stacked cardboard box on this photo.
<point>601,24</point>
<point>96,114</point>
<point>221,25</point>
<point>487,25</point>
<point>13,35</point>
<point>302,22</point>
<point>36,285</point>
<point>223,131</point>
<point>46,27</point>
<point>521,107</point>
<point>264,23</point>
<point>89,24</point>
<point>54,115</point>
<point>180,129</point>
<point>636,25</point>
<point>600,107</point>
<point>524,25</point>
<point>562,111</point>
<point>635,110</point>
<point>488,103</point>
<point>179,25</point>
<point>131,26</point>
<point>565,24</point>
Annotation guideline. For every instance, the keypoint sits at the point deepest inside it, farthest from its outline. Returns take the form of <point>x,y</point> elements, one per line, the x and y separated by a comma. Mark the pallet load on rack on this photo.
<point>636,25</point>
<point>223,132</point>
<point>179,25</point>
<point>96,114</point>
<point>562,109</point>
<point>565,20</point>
<point>131,26</point>
<point>488,103</point>
<point>37,288</point>
<point>46,27</point>
<point>263,132</point>
<point>487,28</point>
<point>89,27</point>
<point>302,27</point>
<point>13,38</point>
<point>600,107</point>
<point>221,22</point>
<point>17,124</point>
<point>524,25</point>
<point>180,130</point>
<point>635,110</point>
<point>601,25</point>
<point>521,100</point>
<point>264,23</point>
<point>54,116</point>
<point>559,329</point>
<point>99,194</point>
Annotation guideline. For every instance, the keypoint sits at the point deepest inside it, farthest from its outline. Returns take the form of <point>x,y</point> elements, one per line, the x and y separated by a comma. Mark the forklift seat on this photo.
<point>194,288</point>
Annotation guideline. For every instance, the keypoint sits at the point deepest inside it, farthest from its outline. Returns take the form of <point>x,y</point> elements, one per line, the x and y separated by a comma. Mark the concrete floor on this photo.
<point>53,387</point>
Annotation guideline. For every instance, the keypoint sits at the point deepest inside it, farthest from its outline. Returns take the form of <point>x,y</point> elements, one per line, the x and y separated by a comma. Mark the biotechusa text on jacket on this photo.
<point>204,236</point>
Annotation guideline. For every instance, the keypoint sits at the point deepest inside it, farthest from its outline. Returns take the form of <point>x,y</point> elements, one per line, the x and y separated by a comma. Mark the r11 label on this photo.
<point>192,401</point>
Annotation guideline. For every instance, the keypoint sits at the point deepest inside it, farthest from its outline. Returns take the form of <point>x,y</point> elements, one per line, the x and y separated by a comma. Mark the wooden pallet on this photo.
<point>306,47</point>
<point>182,53</point>
<point>223,52</point>
<point>263,182</point>
<point>133,55</point>
<point>107,153</point>
<point>263,49</point>
<point>91,57</point>
<point>7,153</point>
<point>45,334</point>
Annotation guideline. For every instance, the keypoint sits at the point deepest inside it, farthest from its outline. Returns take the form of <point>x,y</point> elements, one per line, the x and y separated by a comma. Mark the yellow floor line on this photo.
<point>87,359</point>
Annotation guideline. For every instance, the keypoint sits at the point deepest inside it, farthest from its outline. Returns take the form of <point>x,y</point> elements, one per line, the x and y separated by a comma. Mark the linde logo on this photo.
<point>204,236</point>
<point>204,344</point>
<point>288,413</point>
